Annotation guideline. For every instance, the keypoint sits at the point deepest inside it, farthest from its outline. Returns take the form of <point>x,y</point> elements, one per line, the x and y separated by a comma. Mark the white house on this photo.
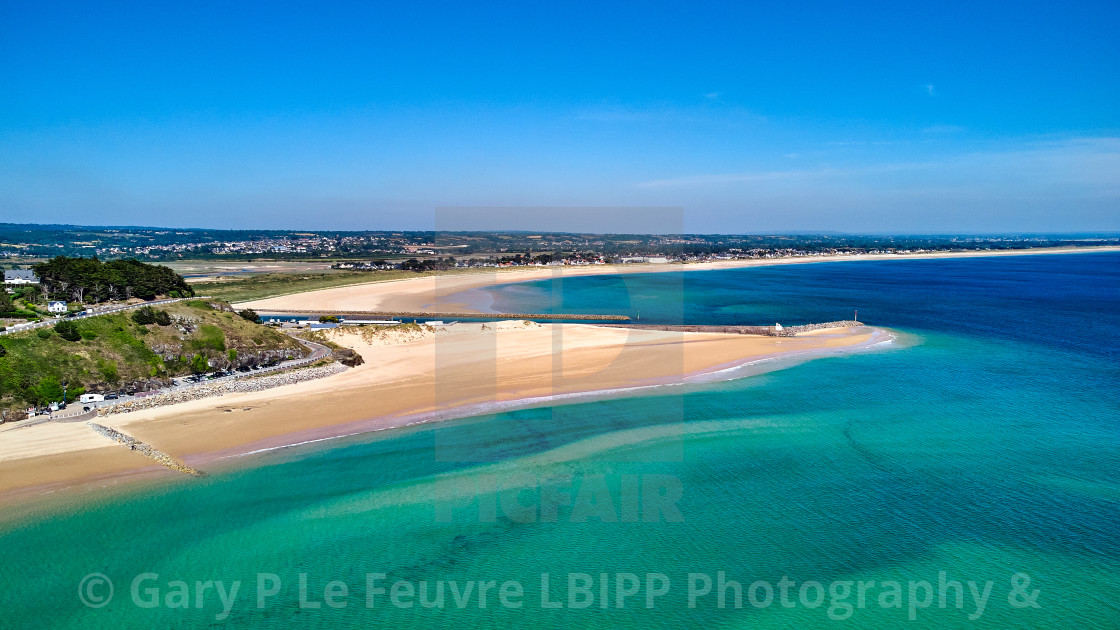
<point>20,276</point>
<point>56,307</point>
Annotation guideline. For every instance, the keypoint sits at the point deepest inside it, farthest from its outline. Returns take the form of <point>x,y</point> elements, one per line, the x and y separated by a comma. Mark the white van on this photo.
<point>88,398</point>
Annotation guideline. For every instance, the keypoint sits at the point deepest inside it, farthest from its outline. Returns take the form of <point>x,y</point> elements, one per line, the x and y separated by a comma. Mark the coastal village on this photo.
<point>476,249</point>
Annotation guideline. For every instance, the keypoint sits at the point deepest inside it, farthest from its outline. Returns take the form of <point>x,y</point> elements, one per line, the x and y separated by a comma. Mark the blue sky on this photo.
<point>750,117</point>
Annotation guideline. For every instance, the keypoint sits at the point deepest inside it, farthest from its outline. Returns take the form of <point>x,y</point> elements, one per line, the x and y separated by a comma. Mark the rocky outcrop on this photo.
<point>348,357</point>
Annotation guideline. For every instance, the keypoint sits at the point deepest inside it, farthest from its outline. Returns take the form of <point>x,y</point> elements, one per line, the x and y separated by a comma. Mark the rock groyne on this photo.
<point>144,449</point>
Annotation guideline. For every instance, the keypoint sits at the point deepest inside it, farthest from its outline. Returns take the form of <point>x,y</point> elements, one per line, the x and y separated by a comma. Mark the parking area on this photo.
<point>74,410</point>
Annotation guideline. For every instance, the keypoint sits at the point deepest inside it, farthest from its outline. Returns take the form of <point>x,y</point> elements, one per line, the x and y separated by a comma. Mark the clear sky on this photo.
<point>751,116</point>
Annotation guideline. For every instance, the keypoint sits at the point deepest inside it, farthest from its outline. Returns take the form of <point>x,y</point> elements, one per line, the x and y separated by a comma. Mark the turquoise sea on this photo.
<point>977,457</point>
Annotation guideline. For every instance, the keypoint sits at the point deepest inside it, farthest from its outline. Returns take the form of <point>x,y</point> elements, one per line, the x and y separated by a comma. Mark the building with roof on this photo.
<point>20,276</point>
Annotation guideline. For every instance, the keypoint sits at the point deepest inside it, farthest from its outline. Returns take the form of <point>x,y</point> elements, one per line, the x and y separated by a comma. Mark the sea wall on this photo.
<point>211,390</point>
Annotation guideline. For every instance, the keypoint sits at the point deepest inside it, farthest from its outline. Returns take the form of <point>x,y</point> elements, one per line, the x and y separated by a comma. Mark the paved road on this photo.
<point>93,312</point>
<point>74,412</point>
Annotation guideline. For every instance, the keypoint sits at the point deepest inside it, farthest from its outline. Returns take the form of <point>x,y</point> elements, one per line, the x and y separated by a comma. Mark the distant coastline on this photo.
<point>434,293</point>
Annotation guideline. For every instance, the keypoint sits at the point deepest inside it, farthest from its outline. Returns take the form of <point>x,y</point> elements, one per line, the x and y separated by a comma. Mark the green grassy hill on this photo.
<point>114,352</point>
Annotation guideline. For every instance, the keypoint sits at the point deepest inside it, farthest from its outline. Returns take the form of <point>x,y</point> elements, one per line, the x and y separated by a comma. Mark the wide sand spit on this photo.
<point>409,376</point>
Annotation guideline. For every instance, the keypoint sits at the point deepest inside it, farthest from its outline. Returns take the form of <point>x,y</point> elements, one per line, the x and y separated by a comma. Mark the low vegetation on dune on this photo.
<point>248,287</point>
<point>139,349</point>
<point>259,286</point>
<point>401,333</point>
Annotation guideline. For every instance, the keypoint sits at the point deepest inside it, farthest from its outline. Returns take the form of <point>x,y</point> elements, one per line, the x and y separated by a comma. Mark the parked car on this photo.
<point>111,396</point>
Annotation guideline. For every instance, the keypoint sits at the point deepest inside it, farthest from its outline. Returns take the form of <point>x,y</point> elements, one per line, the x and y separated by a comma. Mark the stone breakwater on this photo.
<point>211,390</point>
<point>445,315</point>
<point>772,331</point>
<point>144,449</point>
<point>789,331</point>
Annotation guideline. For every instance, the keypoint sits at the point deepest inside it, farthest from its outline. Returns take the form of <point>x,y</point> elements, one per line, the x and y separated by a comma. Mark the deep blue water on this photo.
<point>1069,301</point>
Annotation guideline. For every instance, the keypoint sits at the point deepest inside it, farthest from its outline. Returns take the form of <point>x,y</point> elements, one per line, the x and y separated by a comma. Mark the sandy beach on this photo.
<point>431,293</point>
<point>408,377</point>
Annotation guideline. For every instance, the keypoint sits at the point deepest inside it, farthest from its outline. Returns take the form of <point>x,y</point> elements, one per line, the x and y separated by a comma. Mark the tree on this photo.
<point>144,315</point>
<point>250,315</point>
<point>199,364</point>
<point>328,319</point>
<point>89,279</point>
<point>68,330</point>
<point>47,391</point>
<point>29,294</point>
<point>147,315</point>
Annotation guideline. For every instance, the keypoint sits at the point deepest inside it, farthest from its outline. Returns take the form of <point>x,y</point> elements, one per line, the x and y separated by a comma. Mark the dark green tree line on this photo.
<point>90,280</point>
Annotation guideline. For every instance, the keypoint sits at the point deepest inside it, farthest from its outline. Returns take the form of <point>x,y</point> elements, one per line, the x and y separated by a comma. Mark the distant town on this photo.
<point>437,250</point>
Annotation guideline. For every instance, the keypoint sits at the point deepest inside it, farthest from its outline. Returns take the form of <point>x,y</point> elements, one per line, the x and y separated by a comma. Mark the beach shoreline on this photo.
<point>432,294</point>
<point>444,374</point>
